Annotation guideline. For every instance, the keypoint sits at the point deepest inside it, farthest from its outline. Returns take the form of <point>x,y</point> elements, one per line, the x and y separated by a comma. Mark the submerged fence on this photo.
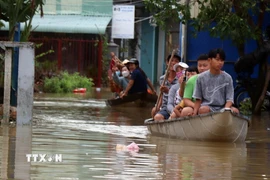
<point>83,56</point>
<point>72,55</point>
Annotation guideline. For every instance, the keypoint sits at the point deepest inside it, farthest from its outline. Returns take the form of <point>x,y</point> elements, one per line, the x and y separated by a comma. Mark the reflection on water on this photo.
<point>199,160</point>
<point>86,133</point>
<point>16,143</point>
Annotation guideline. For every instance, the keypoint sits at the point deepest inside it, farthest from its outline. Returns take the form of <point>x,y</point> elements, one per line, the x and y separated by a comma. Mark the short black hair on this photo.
<point>202,57</point>
<point>192,69</point>
<point>175,55</point>
<point>214,52</point>
<point>133,61</point>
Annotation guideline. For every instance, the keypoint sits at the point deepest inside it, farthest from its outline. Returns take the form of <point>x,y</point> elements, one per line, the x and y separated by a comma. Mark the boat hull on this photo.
<point>138,99</point>
<point>221,126</point>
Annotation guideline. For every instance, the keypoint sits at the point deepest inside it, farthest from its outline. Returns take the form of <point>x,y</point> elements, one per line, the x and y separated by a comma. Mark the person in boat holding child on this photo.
<point>214,88</point>
<point>178,100</point>
<point>173,96</point>
<point>138,80</point>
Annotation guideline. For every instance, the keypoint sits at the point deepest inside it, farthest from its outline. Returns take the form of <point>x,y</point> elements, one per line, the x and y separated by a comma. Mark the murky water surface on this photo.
<point>77,136</point>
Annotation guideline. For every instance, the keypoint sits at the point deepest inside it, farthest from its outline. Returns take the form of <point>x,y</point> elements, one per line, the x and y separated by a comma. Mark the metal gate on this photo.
<point>83,56</point>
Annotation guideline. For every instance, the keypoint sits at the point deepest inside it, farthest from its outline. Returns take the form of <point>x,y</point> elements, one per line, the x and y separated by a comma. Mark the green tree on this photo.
<point>19,11</point>
<point>237,20</point>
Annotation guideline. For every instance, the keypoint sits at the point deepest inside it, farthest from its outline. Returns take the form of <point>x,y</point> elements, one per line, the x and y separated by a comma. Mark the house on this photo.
<point>155,45</point>
<point>73,30</point>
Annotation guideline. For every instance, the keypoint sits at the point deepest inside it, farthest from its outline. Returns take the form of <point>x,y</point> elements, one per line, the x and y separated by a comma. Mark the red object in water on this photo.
<point>79,90</point>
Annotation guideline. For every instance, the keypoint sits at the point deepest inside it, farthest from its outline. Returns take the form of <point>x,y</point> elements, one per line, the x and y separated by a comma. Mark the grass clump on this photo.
<point>66,83</point>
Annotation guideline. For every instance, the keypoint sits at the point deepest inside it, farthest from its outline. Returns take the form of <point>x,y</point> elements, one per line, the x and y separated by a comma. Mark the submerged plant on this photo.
<point>246,107</point>
<point>65,83</point>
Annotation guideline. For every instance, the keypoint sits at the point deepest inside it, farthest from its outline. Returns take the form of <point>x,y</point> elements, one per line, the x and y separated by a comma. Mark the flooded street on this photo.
<point>80,134</point>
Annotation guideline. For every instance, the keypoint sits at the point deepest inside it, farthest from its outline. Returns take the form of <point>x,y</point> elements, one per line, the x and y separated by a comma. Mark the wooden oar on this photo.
<point>165,78</point>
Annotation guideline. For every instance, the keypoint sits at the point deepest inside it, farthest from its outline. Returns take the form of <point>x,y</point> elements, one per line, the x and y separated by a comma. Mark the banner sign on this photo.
<point>123,22</point>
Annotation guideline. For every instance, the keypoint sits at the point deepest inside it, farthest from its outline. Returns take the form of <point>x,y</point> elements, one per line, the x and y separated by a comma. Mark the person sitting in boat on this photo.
<point>115,66</point>
<point>138,81</point>
<point>173,97</point>
<point>121,78</point>
<point>115,87</point>
<point>159,112</point>
<point>214,88</point>
<point>149,83</point>
<point>180,70</point>
<point>202,65</point>
<point>179,102</point>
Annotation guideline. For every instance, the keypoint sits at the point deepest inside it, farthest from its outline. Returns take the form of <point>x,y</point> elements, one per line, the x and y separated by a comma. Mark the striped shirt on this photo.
<point>165,95</point>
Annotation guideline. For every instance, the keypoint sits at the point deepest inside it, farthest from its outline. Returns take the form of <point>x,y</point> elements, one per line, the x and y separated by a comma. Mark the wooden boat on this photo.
<point>218,126</point>
<point>138,99</point>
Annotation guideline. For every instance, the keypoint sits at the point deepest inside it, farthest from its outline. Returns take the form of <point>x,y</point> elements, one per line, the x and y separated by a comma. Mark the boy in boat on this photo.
<point>160,111</point>
<point>202,65</point>
<point>214,88</point>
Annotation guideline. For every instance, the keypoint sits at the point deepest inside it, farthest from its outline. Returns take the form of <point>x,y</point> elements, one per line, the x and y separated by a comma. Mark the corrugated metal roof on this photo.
<point>68,24</point>
<point>81,7</point>
<point>72,16</point>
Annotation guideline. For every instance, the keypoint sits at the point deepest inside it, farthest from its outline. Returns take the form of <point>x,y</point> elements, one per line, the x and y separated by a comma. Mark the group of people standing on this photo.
<point>190,91</point>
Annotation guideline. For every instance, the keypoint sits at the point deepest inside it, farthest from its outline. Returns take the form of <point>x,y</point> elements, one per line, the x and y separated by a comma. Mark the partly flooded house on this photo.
<point>72,31</point>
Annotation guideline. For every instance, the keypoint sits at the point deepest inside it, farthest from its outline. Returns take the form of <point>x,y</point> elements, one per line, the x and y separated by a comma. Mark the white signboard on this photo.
<point>123,22</point>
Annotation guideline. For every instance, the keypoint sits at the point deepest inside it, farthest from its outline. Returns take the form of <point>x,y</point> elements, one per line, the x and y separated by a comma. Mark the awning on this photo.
<point>68,24</point>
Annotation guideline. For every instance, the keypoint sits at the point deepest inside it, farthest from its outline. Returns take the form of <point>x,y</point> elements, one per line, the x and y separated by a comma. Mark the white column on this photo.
<point>25,85</point>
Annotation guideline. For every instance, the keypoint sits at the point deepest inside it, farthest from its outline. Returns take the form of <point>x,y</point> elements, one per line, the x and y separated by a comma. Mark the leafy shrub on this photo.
<point>65,83</point>
<point>246,107</point>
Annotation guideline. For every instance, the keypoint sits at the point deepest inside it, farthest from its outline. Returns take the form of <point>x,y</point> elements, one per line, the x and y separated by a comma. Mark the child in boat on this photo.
<point>202,65</point>
<point>159,112</point>
<point>191,71</point>
<point>214,88</point>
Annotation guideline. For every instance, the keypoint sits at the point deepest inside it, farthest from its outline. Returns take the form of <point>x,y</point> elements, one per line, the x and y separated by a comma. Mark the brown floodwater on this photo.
<point>80,134</point>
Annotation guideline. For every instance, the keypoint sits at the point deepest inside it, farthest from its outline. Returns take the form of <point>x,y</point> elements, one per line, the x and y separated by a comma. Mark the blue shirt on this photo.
<point>140,83</point>
<point>120,80</point>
